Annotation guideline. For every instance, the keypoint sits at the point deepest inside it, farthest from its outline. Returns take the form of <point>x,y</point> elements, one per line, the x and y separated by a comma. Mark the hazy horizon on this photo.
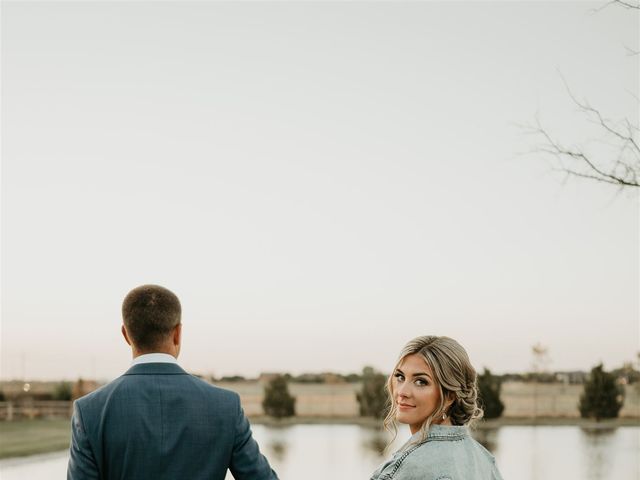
<point>226,377</point>
<point>318,182</point>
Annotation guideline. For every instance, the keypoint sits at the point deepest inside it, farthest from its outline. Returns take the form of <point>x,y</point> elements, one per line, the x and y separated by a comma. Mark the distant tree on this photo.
<point>233,378</point>
<point>630,374</point>
<point>372,397</point>
<point>489,387</point>
<point>352,377</point>
<point>515,377</point>
<point>601,397</point>
<point>309,378</point>
<point>278,402</point>
<point>79,389</point>
<point>541,361</point>
<point>540,377</point>
<point>62,391</point>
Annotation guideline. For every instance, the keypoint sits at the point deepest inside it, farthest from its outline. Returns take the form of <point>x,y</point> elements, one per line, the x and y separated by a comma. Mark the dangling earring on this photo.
<point>444,416</point>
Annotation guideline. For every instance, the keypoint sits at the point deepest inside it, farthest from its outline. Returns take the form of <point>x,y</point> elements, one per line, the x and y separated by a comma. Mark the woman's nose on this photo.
<point>403,391</point>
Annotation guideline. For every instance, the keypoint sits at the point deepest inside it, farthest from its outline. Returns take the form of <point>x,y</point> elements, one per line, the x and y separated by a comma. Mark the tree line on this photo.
<point>602,395</point>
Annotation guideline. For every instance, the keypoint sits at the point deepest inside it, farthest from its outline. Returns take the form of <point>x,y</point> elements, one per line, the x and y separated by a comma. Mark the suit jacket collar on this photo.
<point>156,369</point>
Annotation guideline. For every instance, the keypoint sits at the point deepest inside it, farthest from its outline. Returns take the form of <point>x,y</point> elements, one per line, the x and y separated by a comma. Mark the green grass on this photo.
<point>28,437</point>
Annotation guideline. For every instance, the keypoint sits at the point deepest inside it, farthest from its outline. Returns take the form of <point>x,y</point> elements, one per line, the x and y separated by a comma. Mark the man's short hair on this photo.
<point>150,313</point>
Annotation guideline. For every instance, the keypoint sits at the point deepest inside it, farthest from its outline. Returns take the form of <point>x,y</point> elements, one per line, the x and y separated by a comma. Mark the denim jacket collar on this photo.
<point>437,433</point>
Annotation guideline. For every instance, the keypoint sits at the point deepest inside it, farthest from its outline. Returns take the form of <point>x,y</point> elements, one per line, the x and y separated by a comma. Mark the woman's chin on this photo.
<point>402,418</point>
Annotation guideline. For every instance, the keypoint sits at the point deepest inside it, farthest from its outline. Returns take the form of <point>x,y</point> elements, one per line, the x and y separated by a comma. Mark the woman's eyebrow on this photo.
<point>416,374</point>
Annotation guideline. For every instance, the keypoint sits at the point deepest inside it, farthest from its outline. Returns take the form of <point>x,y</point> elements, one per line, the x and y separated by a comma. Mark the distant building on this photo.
<point>266,377</point>
<point>20,390</point>
<point>575,377</point>
<point>82,387</point>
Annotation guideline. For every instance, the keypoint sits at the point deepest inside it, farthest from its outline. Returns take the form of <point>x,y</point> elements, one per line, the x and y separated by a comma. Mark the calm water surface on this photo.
<point>315,452</point>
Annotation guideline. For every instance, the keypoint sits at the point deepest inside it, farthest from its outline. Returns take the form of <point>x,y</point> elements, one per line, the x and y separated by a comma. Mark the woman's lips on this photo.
<point>405,406</point>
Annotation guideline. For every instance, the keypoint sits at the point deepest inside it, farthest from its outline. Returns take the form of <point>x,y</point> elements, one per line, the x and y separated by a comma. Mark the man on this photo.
<point>156,421</point>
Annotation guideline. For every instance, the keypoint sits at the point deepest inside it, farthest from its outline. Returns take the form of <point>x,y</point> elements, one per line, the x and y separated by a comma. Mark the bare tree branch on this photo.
<point>622,167</point>
<point>576,163</point>
<point>585,107</point>
<point>627,4</point>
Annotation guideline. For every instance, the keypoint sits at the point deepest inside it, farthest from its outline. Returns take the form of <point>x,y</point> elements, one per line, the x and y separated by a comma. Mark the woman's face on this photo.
<point>415,392</point>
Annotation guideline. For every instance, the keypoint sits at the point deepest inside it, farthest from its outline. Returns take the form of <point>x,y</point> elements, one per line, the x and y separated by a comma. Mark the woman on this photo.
<point>433,390</point>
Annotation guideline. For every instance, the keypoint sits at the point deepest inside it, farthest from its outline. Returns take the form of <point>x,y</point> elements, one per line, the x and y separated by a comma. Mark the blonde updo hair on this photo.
<point>454,376</point>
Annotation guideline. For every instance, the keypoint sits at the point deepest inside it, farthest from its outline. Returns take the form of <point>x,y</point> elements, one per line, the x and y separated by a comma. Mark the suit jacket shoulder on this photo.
<point>157,421</point>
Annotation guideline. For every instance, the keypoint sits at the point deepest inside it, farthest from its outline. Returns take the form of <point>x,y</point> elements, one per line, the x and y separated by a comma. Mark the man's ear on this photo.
<point>177,334</point>
<point>124,334</point>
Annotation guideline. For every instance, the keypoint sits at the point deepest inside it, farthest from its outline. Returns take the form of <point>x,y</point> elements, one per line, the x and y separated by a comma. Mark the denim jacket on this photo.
<point>448,453</point>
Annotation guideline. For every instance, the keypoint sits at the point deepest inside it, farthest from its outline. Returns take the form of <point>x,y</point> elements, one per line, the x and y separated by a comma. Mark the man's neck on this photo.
<point>154,357</point>
<point>166,350</point>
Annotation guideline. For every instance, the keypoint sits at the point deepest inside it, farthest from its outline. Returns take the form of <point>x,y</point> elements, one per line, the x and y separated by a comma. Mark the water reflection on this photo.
<point>277,450</point>
<point>547,452</point>
<point>537,453</point>
<point>488,438</point>
<point>376,444</point>
<point>320,451</point>
<point>596,448</point>
<point>315,452</point>
<point>277,445</point>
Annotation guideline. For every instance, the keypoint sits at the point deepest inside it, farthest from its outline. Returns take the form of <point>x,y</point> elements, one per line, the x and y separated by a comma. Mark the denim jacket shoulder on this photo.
<point>448,453</point>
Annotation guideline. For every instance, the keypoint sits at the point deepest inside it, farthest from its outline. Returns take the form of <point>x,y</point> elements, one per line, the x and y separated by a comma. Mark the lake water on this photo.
<point>315,452</point>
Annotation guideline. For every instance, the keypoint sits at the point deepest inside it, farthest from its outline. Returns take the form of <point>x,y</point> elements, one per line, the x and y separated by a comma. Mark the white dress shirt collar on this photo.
<point>154,358</point>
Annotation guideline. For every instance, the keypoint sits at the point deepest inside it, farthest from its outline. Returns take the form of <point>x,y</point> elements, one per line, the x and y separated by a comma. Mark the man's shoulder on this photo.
<point>214,390</point>
<point>99,392</point>
<point>127,382</point>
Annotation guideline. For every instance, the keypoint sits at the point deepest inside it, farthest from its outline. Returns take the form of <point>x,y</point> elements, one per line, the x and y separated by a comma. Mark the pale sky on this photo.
<point>317,182</point>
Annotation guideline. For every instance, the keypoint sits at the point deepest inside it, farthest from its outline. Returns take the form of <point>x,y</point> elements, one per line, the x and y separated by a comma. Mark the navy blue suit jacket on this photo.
<point>158,422</point>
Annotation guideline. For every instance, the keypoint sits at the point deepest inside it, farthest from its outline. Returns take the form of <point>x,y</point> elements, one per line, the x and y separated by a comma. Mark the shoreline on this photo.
<point>481,425</point>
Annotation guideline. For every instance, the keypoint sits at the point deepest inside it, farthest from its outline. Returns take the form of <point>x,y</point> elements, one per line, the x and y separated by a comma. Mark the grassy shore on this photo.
<point>29,437</point>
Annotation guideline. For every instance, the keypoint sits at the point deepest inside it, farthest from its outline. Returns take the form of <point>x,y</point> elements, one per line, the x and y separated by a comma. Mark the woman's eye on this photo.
<point>399,377</point>
<point>421,383</point>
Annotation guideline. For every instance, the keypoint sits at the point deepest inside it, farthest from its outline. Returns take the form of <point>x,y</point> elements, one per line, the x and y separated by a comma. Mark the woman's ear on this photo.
<point>451,397</point>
